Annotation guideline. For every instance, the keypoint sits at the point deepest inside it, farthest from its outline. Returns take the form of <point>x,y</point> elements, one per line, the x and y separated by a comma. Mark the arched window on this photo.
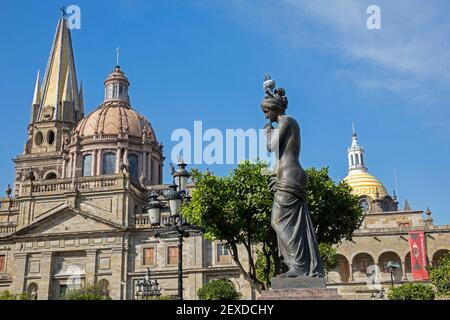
<point>104,287</point>
<point>50,176</point>
<point>362,159</point>
<point>133,164</point>
<point>357,159</point>
<point>353,161</point>
<point>87,165</point>
<point>438,256</point>
<point>109,163</point>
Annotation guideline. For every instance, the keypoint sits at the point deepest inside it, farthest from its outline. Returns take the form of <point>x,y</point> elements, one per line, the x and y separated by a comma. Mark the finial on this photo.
<point>353,130</point>
<point>117,56</point>
<point>395,196</point>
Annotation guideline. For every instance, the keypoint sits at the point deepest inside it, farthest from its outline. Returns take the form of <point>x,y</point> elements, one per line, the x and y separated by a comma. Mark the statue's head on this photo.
<point>274,104</point>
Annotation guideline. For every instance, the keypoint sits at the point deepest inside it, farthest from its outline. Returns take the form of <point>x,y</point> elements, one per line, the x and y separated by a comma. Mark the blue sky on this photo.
<point>205,60</point>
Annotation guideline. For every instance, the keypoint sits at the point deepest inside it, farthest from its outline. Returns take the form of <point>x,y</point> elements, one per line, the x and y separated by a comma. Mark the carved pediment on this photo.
<point>67,220</point>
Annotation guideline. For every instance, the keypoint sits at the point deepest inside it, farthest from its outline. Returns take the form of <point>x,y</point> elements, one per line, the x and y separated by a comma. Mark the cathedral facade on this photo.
<point>76,212</point>
<point>386,237</point>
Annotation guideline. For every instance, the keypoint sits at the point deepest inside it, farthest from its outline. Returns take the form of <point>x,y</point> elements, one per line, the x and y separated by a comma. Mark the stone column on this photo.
<point>99,162</point>
<point>116,278</point>
<point>20,264</point>
<point>352,278</point>
<point>63,173</point>
<point>74,168</point>
<point>404,277</point>
<point>94,163</point>
<point>91,262</point>
<point>149,169</point>
<point>125,156</point>
<point>44,291</point>
<point>144,165</point>
<point>69,175</point>
<point>118,155</point>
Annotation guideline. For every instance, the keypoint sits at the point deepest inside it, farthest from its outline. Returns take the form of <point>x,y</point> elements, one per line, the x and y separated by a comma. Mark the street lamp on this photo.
<point>147,288</point>
<point>174,226</point>
<point>393,266</point>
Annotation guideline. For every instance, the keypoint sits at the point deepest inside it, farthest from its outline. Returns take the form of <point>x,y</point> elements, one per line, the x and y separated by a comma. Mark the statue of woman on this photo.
<point>291,220</point>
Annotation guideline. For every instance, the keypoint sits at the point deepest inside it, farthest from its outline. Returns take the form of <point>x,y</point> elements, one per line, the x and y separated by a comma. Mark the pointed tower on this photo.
<point>356,154</point>
<point>35,104</point>
<point>57,106</point>
<point>361,181</point>
<point>56,109</point>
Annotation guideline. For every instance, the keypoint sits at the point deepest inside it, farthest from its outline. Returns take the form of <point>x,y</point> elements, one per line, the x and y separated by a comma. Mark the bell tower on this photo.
<point>356,154</point>
<point>57,107</point>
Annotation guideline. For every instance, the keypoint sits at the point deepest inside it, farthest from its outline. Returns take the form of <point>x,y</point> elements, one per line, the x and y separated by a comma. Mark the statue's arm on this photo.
<point>275,136</point>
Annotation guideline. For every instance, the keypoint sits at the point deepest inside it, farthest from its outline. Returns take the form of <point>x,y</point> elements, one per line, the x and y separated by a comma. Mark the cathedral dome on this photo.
<point>114,118</point>
<point>365,184</point>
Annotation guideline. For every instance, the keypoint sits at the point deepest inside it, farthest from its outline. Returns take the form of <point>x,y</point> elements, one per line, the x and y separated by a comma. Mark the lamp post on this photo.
<point>175,225</point>
<point>148,288</point>
<point>393,266</point>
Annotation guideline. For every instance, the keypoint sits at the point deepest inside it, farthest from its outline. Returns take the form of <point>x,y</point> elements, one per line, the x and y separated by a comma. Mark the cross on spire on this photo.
<point>117,55</point>
<point>63,10</point>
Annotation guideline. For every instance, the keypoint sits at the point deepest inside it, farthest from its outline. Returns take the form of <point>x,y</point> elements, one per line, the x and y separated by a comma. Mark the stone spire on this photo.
<point>36,98</point>
<point>60,80</point>
<point>37,90</point>
<point>356,154</point>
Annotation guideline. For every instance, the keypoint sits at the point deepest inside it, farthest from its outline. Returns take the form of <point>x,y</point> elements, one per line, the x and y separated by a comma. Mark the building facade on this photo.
<point>76,212</point>
<point>383,236</point>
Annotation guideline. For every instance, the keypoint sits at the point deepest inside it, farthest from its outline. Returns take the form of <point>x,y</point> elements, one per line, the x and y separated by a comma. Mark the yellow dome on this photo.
<point>365,184</point>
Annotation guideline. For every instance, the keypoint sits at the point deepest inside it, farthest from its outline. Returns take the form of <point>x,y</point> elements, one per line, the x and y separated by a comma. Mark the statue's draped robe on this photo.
<point>291,220</point>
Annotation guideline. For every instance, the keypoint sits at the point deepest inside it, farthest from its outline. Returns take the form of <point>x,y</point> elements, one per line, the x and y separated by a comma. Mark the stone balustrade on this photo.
<point>7,229</point>
<point>65,185</point>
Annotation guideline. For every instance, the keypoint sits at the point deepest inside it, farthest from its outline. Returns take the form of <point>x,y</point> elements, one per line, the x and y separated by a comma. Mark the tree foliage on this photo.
<point>7,295</point>
<point>440,276</point>
<point>220,289</point>
<point>334,209</point>
<point>411,291</point>
<point>87,292</point>
<point>237,208</point>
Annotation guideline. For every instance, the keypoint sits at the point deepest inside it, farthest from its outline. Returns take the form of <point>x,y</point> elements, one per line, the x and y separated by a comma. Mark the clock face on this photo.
<point>364,205</point>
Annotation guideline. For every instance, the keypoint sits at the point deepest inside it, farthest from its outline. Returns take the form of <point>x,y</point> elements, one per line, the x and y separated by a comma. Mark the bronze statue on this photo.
<point>291,220</point>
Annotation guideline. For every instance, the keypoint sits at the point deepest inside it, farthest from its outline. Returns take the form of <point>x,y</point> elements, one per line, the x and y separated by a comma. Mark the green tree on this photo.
<point>440,276</point>
<point>411,291</point>
<point>87,292</point>
<point>6,295</point>
<point>236,209</point>
<point>328,255</point>
<point>220,289</point>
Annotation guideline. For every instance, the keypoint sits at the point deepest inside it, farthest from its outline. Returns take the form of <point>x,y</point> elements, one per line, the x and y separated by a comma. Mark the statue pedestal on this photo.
<point>300,288</point>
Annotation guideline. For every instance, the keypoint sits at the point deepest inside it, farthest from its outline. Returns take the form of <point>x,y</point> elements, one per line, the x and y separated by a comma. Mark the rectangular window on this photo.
<point>87,165</point>
<point>2,264</point>
<point>172,255</point>
<point>149,256</point>
<point>62,290</point>
<point>109,163</point>
<point>223,254</point>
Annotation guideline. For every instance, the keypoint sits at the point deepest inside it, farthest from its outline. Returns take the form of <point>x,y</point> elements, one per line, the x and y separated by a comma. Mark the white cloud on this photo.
<point>409,56</point>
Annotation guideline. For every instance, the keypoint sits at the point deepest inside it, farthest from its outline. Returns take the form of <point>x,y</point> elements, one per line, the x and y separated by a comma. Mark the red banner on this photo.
<point>418,255</point>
